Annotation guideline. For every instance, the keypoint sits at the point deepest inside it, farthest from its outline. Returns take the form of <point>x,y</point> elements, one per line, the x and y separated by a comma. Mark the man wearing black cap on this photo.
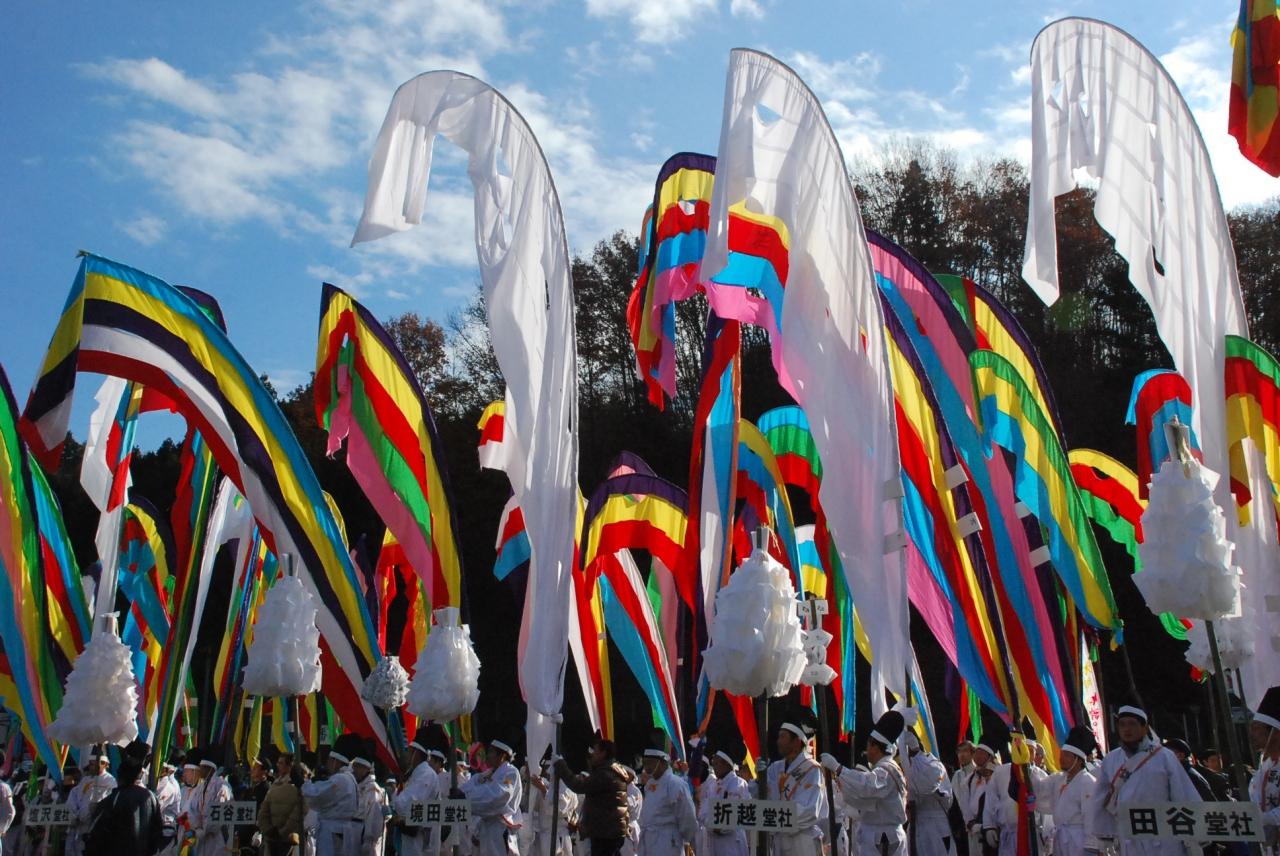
<point>797,779</point>
<point>128,819</point>
<point>1137,772</point>
<point>879,794</point>
<point>495,802</point>
<point>1264,787</point>
<point>423,785</point>
<point>1182,751</point>
<point>1065,795</point>
<point>1003,796</point>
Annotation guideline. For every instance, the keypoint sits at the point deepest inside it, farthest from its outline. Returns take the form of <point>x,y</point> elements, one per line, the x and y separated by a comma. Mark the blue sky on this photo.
<point>227,148</point>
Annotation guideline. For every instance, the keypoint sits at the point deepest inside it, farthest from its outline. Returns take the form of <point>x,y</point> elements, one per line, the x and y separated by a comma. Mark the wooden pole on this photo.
<point>555,796</point>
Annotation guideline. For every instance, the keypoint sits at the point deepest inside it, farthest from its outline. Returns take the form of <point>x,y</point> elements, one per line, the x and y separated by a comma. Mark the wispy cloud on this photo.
<point>655,23</point>
<point>146,229</point>
<point>746,9</point>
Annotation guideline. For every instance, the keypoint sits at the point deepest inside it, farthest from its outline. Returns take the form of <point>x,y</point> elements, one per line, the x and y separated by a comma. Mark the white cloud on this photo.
<point>746,9</point>
<point>145,229</point>
<point>654,22</point>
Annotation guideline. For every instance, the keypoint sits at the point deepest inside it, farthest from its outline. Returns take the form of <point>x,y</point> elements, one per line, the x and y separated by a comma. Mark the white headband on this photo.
<point>656,753</point>
<point>423,749</point>
<point>434,753</point>
<point>889,746</point>
<point>795,729</point>
<point>212,765</point>
<point>191,766</point>
<point>1269,721</point>
<point>1075,750</point>
<point>727,759</point>
<point>362,762</point>
<point>985,748</point>
<point>338,756</point>
<point>1130,710</point>
<point>502,747</point>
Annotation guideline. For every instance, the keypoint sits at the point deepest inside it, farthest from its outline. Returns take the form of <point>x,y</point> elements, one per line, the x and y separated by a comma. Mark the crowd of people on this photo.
<point>900,800</point>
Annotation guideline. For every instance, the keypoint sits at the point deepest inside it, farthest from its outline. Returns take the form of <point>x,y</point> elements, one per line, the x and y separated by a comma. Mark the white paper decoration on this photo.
<point>816,670</point>
<point>284,656</point>
<point>446,678</point>
<point>100,702</point>
<point>1186,557</point>
<point>387,685</point>
<point>1235,642</point>
<point>756,641</point>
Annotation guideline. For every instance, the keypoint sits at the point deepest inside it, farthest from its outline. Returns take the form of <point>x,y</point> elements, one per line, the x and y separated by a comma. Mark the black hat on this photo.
<point>888,729</point>
<point>430,737</point>
<point>1177,744</point>
<point>995,739</point>
<point>138,750</point>
<point>346,747</point>
<point>1269,709</point>
<point>801,722</point>
<point>1028,730</point>
<point>1080,742</point>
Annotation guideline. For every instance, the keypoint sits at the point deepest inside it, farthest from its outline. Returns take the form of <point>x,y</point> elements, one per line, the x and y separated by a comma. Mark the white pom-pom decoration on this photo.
<point>756,642</point>
<point>284,656</point>
<point>816,671</point>
<point>1235,642</point>
<point>387,685</point>
<point>446,678</point>
<point>100,702</point>
<point>1186,557</point>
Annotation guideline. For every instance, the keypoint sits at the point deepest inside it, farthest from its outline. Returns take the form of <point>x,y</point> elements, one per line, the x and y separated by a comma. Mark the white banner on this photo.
<point>1197,822</point>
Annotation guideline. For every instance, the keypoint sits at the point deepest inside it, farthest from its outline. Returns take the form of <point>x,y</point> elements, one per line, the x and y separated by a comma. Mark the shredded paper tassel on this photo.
<point>284,657</point>
<point>100,704</point>
<point>446,678</point>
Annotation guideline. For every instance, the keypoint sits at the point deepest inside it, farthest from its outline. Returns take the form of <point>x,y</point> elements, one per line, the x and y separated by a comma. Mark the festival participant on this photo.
<point>280,816</point>
<point>210,790</point>
<point>1209,764</point>
<point>169,795</point>
<point>797,779</point>
<point>371,803</point>
<point>602,814</point>
<point>541,808</point>
<point>880,793</point>
<point>495,802</point>
<point>1002,800</point>
<point>128,819</point>
<point>1182,751</point>
<point>454,840</point>
<point>259,780</point>
<point>724,783</point>
<point>985,760</point>
<point>668,822</point>
<point>635,805</point>
<point>92,789</point>
<point>334,799</point>
<point>1138,771</point>
<point>960,795</point>
<point>929,795</point>
<point>7,809</point>
<point>1065,795</point>
<point>1264,787</point>
<point>423,784</point>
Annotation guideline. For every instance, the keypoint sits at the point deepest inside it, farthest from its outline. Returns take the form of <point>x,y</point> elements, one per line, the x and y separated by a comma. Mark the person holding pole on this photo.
<point>879,794</point>
<point>929,791</point>
<point>541,806</point>
<point>797,779</point>
<point>1065,795</point>
<point>1264,788</point>
<point>335,799</point>
<point>603,813</point>
<point>1004,795</point>
<point>422,785</point>
<point>1137,772</point>
<point>668,822</point>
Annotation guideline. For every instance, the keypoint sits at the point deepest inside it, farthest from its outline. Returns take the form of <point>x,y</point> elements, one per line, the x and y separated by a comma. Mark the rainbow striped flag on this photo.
<point>1255,84</point>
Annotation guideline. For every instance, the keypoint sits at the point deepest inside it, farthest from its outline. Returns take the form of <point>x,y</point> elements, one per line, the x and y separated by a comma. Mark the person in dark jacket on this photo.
<point>128,819</point>
<point>603,815</point>
<point>1179,747</point>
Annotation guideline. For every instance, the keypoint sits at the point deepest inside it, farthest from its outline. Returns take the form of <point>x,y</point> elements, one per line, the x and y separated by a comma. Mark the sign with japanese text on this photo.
<point>438,813</point>
<point>753,815</point>
<point>1203,822</point>
<point>52,814</point>
<point>234,813</point>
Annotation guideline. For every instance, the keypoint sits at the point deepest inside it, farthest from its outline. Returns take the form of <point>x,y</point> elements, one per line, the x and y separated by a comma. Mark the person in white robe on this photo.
<point>1137,772</point>
<point>635,805</point>
<point>1003,795</point>
<point>422,785</point>
<point>169,796</point>
<point>1264,787</point>
<point>929,799</point>
<point>335,801</point>
<point>880,793</point>
<point>371,807</point>
<point>668,821</point>
<point>798,779</point>
<point>94,786</point>
<point>724,783</point>
<point>971,797</point>
<point>495,798</point>
<point>541,808</point>
<point>1065,795</point>
<point>209,792</point>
